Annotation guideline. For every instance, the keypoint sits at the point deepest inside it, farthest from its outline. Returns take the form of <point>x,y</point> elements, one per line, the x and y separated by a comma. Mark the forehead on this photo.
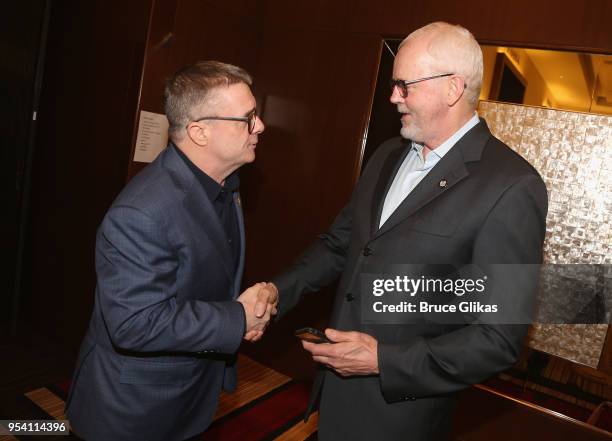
<point>410,60</point>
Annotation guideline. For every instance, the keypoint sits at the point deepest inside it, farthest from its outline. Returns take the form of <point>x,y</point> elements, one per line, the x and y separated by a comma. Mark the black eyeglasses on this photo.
<point>250,119</point>
<point>402,85</point>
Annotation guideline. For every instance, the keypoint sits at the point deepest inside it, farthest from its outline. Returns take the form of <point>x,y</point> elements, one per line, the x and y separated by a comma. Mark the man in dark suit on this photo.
<point>447,193</point>
<point>168,318</point>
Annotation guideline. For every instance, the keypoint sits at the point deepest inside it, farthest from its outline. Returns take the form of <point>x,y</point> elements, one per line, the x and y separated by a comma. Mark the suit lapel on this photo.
<point>200,208</point>
<point>386,176</point>
<point>197,203</point>
<point>239,271</point>
<point>446,174</point>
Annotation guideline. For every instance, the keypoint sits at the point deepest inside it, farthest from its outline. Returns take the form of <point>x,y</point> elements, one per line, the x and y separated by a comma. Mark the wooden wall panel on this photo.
<point>90,85</point>
<point>538,23</point>
<point>483,414</point>
<point>185,31</point>
<point>306,162</point>
<point>23,37</point>
<point>306,159</point>
<point>561,24</point>
<point>309,16</point>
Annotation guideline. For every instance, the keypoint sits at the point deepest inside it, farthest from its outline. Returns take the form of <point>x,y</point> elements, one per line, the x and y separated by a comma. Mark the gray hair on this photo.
<point>453,49</point>
<point>192,86</point>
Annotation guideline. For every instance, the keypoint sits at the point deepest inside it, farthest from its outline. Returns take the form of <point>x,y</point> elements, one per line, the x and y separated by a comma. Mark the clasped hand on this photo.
<point>259,302</point>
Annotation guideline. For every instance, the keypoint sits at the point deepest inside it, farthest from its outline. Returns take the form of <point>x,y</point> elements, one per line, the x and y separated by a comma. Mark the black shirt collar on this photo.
<point>212,188</point>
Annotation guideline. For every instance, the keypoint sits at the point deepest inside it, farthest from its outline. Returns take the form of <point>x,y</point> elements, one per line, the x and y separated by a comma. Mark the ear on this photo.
<point>199,133</point>
<point>456,89</point>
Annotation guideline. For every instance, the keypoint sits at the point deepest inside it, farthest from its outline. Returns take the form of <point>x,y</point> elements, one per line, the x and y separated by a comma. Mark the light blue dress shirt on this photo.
<point>415,168</point>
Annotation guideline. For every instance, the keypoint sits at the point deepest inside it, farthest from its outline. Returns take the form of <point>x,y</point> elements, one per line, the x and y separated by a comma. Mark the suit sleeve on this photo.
<point>324,261</point>
<point>137,269</point>
<point>512,233</point>
<point>318,266</point>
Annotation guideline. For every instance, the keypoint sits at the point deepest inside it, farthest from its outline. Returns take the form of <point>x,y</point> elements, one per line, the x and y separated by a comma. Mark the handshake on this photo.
<point>352,353</point>
<point>259,302</point>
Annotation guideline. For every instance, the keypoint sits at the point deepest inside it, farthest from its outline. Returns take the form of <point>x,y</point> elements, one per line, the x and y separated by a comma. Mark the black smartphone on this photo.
<point>312,335</point>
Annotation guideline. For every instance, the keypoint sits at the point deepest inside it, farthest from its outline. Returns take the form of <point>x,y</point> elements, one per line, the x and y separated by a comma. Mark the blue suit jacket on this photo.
<point>165,325</point>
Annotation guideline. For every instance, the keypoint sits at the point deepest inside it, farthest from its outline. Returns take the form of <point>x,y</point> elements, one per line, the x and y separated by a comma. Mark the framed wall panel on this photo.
<point>572,151</point>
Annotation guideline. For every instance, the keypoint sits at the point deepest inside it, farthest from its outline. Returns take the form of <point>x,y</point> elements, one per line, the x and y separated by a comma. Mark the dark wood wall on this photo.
<point>22,33</point>
<point>185,31</point>
<point>91,82</point>
<point>315,66</point>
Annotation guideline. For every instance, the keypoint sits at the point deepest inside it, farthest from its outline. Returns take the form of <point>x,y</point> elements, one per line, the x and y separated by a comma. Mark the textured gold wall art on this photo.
<point>573,153</point>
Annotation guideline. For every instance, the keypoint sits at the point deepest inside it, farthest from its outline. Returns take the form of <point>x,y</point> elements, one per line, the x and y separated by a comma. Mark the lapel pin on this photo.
<point>443,183</point>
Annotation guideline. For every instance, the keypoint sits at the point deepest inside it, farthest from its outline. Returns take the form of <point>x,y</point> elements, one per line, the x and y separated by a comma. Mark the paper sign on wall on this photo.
<point>152,136</point>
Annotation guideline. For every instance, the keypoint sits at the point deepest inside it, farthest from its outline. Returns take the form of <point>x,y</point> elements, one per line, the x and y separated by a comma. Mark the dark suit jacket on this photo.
<point>492,210</point>
<point>165,323</point>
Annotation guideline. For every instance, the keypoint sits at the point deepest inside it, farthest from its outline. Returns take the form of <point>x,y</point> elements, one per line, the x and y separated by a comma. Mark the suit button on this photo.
<point>350,297</point>
<point>367,251</point>
<point>409,399</point>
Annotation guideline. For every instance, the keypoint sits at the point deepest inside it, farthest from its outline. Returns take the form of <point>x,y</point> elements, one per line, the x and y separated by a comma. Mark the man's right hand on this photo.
<point>259,302</point>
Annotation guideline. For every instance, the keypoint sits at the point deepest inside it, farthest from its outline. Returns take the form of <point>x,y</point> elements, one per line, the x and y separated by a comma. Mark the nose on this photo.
<point>396,97</point>
<point>259,125</point>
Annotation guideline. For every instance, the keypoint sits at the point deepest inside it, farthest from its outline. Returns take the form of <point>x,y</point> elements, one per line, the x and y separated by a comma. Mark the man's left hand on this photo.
<point>352,353</point>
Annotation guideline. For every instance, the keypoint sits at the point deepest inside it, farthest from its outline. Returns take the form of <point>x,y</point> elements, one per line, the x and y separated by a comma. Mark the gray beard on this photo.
<point>409,134</point>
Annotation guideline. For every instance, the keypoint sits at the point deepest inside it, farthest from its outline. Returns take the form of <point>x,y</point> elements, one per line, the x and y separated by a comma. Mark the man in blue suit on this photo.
<point>168,316</point>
